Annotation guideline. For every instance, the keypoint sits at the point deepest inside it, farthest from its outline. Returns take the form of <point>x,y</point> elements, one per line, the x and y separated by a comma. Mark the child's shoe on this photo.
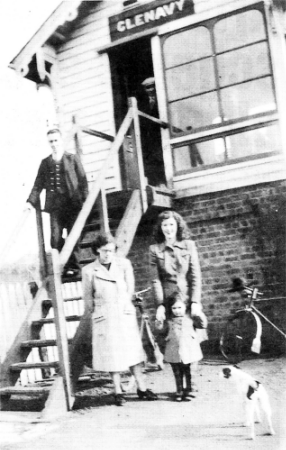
<point>179,396</point>
<point>188,395</point>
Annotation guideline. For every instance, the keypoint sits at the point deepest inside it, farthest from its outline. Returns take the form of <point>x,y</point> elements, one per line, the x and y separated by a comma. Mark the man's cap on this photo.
<point>54,129</point>
<point>148,82</point>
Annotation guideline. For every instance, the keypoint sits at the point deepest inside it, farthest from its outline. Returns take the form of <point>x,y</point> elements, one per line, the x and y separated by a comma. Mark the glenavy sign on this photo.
<point>147,16</point>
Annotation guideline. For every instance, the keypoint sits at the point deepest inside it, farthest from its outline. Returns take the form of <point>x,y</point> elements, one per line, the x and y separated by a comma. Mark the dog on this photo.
<point>254,396</point>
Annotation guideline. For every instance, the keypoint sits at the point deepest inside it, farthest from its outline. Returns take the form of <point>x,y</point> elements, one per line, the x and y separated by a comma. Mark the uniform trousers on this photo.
<point>63,216</point>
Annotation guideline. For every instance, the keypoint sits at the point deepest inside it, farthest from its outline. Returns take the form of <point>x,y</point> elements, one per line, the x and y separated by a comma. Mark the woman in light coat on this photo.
<point>108,287</point>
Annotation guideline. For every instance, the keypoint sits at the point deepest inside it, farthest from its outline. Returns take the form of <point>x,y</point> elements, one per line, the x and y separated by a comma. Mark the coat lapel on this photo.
<point>103,273</point>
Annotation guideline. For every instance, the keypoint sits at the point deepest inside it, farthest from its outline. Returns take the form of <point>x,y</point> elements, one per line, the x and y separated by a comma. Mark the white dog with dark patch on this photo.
<point>254,397</point>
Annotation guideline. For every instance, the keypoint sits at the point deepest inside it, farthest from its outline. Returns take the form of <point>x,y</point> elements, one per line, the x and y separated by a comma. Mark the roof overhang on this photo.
<point>54,29</point>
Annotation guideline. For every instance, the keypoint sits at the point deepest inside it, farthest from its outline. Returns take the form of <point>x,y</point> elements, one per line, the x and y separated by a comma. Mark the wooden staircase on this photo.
<point>32,336</point>
<point>121,212</point>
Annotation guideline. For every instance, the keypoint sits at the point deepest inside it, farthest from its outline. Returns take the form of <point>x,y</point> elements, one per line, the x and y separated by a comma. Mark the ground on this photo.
<point>213,419</point>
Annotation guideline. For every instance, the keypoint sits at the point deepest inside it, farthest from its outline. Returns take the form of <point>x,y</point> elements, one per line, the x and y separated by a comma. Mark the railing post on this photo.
<point>77,137</point>
<point>92,196</point>
<point>103,211</point>
<point>130,162</point>
<point>60,323</point>
<point>41,242</point>
<point>136,138</point>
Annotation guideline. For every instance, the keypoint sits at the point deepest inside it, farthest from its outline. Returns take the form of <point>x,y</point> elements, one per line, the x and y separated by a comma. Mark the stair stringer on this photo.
<point>129,223</point>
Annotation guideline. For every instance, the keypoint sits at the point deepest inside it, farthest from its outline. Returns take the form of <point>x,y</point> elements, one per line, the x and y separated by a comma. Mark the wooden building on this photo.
<point>220,70</point>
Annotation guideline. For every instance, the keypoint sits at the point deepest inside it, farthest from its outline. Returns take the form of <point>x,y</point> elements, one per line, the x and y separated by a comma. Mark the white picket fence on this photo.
<point>15,302</point>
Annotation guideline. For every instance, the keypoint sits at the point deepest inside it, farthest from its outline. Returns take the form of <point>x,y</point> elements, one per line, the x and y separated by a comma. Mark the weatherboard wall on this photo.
<point>85,87</point>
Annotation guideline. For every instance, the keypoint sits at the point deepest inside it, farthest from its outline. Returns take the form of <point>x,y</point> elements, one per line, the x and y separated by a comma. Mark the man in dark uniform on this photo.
<point>62,176</point>
<point>151,137</point>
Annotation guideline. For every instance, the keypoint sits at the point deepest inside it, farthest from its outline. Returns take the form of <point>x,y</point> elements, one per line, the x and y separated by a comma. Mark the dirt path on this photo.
<point>212,420</point>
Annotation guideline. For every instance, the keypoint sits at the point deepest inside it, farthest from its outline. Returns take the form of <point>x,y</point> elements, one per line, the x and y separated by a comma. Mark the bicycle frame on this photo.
<point>243,329</point>
<point>254,293</point>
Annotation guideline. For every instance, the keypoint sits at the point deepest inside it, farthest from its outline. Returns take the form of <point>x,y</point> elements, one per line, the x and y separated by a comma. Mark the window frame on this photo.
<point>232,126</point>
<point>222,134</point>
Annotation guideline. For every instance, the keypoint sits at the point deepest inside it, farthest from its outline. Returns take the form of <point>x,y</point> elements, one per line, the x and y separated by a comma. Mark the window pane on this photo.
<point>239,30</point>
<point>254,142</point>
<point>187,46</point>
<point>195,155</point>
<point>243,64</point>
<point>218,151</point>
<point>249,98</point>
<point>194,112</point>
<point>182,159</point>
<point>190,79</point>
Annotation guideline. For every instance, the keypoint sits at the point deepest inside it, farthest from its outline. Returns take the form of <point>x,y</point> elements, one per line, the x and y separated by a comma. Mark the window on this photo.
<point>218,75</point>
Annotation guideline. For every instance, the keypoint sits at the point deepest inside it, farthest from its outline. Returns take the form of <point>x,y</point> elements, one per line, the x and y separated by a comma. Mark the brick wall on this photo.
<point>239,232</point>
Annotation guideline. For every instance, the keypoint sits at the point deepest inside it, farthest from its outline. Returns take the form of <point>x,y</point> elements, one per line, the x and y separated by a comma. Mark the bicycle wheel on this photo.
<point>238,335</point>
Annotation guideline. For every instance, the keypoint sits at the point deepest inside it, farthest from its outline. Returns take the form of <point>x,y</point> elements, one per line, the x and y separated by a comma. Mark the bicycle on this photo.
<point>242,333</point>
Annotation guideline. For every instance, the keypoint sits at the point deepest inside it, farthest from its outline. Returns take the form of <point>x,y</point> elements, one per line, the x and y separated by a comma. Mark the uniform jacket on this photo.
<point>75,179</point>
<point>182,344</point>
<point>151,135</point>
<point>115,334</point>
<point>175,268</point>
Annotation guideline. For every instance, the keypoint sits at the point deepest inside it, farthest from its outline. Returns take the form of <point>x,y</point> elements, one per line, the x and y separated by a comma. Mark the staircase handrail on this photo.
<point>160,122</point>
<point>79,224</point>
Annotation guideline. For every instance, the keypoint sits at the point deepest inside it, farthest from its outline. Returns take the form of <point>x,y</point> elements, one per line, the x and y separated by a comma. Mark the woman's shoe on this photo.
<point>178,396</point>
<point>119,399</point>
<point>148,395</point>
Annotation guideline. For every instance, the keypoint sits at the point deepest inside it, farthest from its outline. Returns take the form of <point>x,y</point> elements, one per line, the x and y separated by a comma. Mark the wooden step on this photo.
<point>74,279</point>
<point>89,239</point>
<point>38,365</point>
<point>85,244</point>
<point>49,302</point>
<point>40,343</point>
<point>91,226</point>
<point>38,323</point>
<point>30,391</point>
<point>86,261</point>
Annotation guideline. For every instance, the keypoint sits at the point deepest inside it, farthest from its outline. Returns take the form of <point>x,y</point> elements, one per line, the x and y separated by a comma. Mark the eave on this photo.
<point>54,30</point>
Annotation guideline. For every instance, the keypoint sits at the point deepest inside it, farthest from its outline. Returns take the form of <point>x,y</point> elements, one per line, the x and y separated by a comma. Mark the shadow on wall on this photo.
<point>270,234</point>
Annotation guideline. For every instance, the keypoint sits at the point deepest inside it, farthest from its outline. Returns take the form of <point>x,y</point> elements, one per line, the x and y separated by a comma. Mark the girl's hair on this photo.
<point>101,240</point>
<point>182,231</point>
<point>175,297</point>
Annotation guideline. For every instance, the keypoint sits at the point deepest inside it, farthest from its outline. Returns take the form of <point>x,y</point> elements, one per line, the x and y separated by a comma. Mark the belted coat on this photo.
<point>175,268</point>
<point>116,342</point>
